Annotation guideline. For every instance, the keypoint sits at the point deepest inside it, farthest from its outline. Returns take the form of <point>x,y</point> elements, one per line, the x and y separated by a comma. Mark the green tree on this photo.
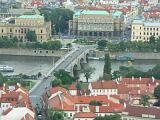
<point>64,76</point>
<point>152,40</point>
<point>54,115</point>
<point>144,100</point>
<point>79,85</point>
<point>109,117</point>
<point>54,45</point>
<point>31,36</point>
<point>95,103</point>
<point>56,82</point>
<point>102,44</point>
<point>107,67</point>
<point>2,79</point>
<point>157,92</point>
<point>88,72</point>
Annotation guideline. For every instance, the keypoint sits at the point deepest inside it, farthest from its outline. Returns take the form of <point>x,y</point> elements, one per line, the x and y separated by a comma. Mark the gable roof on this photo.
<point>85,115</point>
<point>104,85</point>
<point>138,111</point>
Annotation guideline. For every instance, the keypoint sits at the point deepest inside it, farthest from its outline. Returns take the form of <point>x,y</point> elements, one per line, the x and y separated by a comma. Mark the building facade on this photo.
<point>142,30</point>
<point>21,25</point>
<point>92,23</point>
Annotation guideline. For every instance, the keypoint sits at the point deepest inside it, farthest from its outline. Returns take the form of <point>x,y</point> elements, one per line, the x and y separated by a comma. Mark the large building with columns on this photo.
<point>19,26</point>
<point>96,24</point>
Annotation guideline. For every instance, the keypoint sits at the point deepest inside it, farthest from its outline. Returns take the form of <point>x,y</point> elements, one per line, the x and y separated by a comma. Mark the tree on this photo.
<point>64,76</point>
<point>31,36</point>
<point>152,40</point>
<point>56,82</point>
<point>102,44</point>
<point>79,85</point>
<point>144,100</point>
<point>39,74</point>
<point>54,115</point>
<point>157,92</point>
<point>109,117</point>
<point>2,79</point>
<point>95,103</point>
<point>54,45</point>
<point>107,68</point>
<point>88,72</point>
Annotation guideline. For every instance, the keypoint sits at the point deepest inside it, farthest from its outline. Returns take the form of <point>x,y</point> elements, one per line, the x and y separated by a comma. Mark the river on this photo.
<point>33,65</point>
<point>143,65</point>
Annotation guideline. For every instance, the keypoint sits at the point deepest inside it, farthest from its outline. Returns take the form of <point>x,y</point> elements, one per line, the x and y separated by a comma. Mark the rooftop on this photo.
<point>30,16</point>
<point>139,111</point>
<point>85,115</point>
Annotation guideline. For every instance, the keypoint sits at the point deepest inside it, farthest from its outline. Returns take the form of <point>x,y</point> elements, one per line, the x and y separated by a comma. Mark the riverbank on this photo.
<point>135,55</point>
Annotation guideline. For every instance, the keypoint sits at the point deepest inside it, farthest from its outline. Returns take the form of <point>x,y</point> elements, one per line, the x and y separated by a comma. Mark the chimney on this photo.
<point>140,78</point>
<point>149,84</point>
<point>120,79</point>
<point>139,91</point>
<point>18,84</point>
<point>153,79</point>
<point>61,99</point>
<point>97,109</point>
<point>4,87</point>
<point>132,77</point>
<point>157,83</point>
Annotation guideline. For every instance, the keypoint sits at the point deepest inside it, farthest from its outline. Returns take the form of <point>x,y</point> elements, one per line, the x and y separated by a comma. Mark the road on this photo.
<point>36,93</point>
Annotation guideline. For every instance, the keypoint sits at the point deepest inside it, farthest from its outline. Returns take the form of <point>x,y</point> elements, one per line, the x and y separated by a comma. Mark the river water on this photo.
<point>33,65</point>
<point>143,65</point>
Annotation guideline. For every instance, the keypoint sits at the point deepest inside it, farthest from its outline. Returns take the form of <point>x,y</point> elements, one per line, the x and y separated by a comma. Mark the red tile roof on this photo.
<point>72,87</point>
<point>138,111</point>
<point>104,85</point>
<point>85,115</point>
<point>122,89</point>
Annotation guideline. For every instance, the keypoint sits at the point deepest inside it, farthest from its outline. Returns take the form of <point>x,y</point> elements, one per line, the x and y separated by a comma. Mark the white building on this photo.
<point>103,88</point>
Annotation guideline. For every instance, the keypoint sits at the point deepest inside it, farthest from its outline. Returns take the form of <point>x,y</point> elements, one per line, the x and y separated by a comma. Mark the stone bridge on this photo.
<point>77,64</point>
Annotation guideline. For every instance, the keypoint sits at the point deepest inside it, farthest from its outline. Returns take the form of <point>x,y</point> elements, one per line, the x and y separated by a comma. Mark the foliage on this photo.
<point>59,17</point>
<point>107,68</point>
<point>56,82</point>
<point>54,115</point>
<point>136,46</point>
<point>102,44</point>
<point>14,43</point>
<point>95,103</point>
<point>79,85</point>
<point>157,103</point>
<point>2,79</point>
<point>88,72</point>
<point>157,92</point>
<point>131,71</point>
<point>31,36</point>
<point>64,76</point>
<point>107,65</point>
<point>109,117</point>
<point>69,45</point>
<point>144,100</point>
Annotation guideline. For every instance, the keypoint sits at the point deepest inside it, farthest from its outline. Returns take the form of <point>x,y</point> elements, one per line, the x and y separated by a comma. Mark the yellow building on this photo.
<point>142,30</point>
<point>19,26</point>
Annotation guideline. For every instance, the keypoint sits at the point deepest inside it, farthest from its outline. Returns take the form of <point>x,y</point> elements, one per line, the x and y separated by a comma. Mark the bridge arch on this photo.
<point>75,70</point>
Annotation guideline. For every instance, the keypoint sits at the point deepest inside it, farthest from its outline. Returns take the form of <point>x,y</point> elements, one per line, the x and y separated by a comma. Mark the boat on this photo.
<point>126,57</point>
<point>6,68</point>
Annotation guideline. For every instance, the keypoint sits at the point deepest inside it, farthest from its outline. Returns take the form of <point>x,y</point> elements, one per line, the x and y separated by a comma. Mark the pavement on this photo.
<point>41,87</point>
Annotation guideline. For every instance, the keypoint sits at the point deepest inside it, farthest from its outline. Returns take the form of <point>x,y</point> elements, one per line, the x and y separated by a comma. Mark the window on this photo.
<point>144,33</point>
<point>140,28</point>
<point>65,114</point>
<point>147,33</point>
<point>10,30</point>
<point>147,28</point>
<point>41,31</point>
<point>150,28</point>
<point>157,33</point>
<point>70,114</point>
<point>150,33</point>
<point>140,33</point>
<point>153,28</point>
<point>157,29</point>
<point>41,37</point>
<point>2,30</point>
<point>144,28</point>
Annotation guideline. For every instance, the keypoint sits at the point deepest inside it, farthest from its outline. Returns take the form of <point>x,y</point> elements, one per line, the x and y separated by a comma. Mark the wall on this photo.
<point>136,55</point>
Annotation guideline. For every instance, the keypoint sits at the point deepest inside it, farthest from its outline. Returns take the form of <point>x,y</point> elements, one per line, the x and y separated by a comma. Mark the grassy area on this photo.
<point>85,85</point>
<point>85,42</point>
<point>28,84</point>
